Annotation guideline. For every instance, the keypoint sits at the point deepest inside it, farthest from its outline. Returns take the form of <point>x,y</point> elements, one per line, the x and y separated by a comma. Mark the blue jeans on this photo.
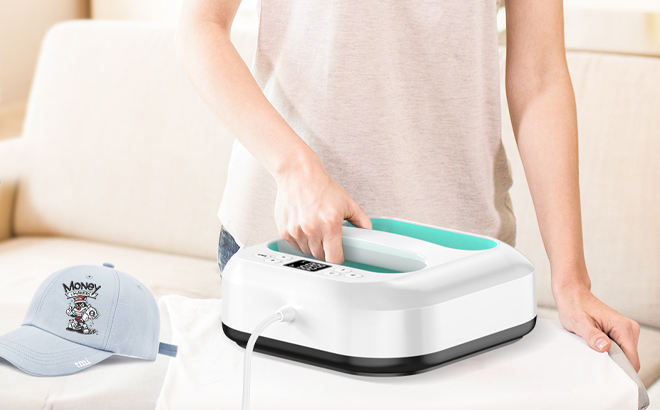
<point>227,247</point>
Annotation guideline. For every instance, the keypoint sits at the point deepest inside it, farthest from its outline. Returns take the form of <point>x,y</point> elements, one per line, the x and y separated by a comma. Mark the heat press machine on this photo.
<point>409,297</point>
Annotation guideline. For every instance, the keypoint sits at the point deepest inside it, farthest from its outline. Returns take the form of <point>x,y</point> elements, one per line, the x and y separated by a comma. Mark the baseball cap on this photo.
<point>80,316</point>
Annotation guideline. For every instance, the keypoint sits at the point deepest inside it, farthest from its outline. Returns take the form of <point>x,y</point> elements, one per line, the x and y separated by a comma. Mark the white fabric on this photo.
<point>549,368</point>
<point>648,348</point>
<point>399,100</point>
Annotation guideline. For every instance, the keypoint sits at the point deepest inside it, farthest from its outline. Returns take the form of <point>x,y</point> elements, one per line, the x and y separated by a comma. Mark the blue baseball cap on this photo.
<point>82,315</point>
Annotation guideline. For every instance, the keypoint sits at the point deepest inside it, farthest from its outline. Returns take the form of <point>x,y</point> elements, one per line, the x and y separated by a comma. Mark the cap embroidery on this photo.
<point>81,311</point>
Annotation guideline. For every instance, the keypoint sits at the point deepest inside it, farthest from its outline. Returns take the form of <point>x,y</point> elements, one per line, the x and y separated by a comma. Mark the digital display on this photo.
<point>309,266</point>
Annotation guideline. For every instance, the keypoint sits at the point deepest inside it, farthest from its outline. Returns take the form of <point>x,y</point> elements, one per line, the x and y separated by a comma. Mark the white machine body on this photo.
<point>409,298</point>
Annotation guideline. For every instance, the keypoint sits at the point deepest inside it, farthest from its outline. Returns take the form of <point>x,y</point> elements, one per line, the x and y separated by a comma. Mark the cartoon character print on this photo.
<point>83,315</point>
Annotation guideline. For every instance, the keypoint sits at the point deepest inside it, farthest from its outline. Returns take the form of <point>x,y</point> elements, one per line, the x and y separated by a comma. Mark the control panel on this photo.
<point>295,262</point>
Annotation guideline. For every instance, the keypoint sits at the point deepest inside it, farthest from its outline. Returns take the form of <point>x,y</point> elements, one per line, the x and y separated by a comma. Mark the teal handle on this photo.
<point>448,239</point>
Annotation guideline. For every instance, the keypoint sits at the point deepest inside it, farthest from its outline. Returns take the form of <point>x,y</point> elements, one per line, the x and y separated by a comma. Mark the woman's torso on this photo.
<point>399,99</point>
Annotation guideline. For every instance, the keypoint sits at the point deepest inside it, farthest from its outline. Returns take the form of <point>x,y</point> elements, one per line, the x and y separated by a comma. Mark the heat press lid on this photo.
<point>395,246</point>
<point>432,234</point>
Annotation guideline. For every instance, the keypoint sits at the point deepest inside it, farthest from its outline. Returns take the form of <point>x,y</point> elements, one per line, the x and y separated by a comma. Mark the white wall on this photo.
<point>148,10</point>
<point>23,24</point>
<point>144,10</point>
<point>615,31</point>
<point>168,11</point>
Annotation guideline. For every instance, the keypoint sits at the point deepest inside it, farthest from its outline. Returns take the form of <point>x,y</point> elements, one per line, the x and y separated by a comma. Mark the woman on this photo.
<point>392,107</point>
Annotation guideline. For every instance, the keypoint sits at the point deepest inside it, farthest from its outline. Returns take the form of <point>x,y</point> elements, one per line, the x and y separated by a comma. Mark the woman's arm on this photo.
<point>543,114</point>
<point>310,205</point>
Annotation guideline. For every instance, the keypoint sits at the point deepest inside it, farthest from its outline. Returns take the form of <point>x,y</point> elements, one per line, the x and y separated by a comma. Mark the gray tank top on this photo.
<point>400,99</point>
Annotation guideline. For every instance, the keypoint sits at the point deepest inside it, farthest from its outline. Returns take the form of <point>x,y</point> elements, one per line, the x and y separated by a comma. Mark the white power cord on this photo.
<point>285,314</point>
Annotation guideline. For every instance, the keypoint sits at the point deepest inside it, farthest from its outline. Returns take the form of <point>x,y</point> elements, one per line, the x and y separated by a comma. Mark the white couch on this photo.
<point>121,162</point>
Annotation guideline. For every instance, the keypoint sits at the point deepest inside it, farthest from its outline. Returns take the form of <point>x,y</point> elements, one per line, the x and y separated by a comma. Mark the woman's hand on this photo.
<point>582,313</point>
<point>310,208</point>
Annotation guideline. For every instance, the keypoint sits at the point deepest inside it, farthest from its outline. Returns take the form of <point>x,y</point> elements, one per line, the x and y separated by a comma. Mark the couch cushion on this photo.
<point>123,150</point>
<point>618,100</point>
<point>11,164</point>
<point>648,348</point>
<point>27,261</point>
<point>654,395</point>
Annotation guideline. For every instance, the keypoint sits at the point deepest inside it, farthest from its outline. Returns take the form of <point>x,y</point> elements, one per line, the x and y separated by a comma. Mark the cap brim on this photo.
<point>40,353</point>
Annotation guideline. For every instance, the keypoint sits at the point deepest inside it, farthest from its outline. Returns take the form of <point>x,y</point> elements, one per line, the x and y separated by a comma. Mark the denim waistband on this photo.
<point>227,247</point>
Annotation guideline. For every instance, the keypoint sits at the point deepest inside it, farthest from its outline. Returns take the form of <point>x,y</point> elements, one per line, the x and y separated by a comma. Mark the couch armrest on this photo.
<point>11,163</point>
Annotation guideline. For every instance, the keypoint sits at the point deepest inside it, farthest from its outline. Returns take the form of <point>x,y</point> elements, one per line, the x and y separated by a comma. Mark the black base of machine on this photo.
<point>367,366</point>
